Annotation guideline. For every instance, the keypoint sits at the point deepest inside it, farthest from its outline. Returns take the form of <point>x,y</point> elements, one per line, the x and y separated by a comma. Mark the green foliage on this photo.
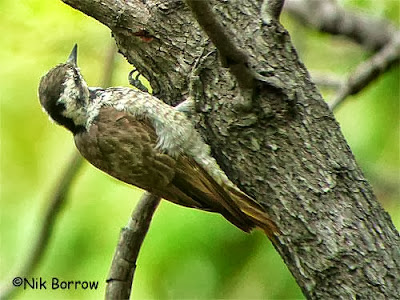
<point>187,253</point>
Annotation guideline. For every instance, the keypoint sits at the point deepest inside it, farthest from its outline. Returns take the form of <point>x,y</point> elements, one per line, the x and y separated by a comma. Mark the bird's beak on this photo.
<point>73,56</point>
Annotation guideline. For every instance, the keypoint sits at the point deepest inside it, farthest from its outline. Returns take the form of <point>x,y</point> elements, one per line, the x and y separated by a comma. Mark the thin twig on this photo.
<point>57,198</point>
<point>328,16</point>
<point>327,80</point>
<point>369,70</point>
<point>56,202</point>
<point>123,265</point>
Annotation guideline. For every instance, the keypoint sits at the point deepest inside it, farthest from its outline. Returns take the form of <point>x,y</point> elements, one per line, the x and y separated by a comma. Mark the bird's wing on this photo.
<point>197,184</point>
<point>125,148</point>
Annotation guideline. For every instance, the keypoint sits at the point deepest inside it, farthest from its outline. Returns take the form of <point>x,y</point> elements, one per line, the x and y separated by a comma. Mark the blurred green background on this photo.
<point>187,253</point>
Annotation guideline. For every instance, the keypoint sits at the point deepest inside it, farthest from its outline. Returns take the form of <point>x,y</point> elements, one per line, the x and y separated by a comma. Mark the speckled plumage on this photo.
<point>138,139</point>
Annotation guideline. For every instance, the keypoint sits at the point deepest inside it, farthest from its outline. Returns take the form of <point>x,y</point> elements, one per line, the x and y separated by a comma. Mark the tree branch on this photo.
<point>271,9</point>
<point>375,34</point>
<point>368,71</point>
<point>324,80</point>
<point>232,56</point>
<point>328,16</point>
<point>123,265</point>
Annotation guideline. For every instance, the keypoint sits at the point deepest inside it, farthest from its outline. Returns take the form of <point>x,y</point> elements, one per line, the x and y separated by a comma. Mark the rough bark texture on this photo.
<point>280,145</point>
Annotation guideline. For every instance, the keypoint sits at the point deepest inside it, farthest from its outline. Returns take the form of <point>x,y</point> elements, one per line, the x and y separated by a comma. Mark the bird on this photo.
<point>140,140</point>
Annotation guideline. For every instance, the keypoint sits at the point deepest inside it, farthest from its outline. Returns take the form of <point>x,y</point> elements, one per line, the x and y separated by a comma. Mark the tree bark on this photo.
<point>279,142</point>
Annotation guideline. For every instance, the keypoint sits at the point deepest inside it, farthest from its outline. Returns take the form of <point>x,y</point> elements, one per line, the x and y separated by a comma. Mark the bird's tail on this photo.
<point>194,187</point>
<point>254,211</point>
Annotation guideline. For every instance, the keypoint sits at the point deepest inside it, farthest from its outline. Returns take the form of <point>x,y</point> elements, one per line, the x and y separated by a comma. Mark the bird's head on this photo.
<point>64,94</point>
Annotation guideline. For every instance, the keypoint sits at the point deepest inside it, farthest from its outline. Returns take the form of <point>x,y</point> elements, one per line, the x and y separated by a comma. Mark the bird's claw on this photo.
<point>134,81</point>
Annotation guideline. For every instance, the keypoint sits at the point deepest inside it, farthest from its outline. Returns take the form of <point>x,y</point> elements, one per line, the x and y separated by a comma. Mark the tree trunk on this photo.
<point>280,144</point>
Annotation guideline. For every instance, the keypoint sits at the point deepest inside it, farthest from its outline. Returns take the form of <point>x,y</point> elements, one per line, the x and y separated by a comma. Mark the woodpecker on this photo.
<point>138,139</point>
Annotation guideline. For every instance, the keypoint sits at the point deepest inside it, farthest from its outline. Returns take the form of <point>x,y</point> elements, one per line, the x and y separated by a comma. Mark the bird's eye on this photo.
<point>76,77</point>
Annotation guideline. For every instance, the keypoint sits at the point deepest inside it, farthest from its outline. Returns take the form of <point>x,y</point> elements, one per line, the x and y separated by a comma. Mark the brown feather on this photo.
<point>200,186</point>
